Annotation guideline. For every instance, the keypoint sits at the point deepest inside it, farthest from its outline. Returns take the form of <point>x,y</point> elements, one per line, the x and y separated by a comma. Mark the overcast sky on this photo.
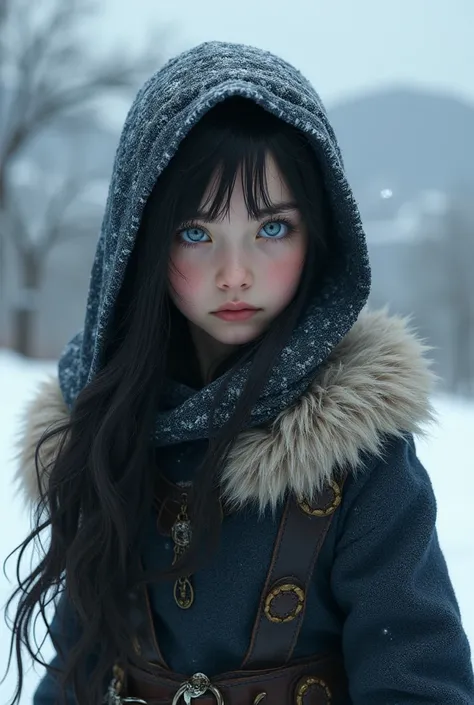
<point>343,46</point>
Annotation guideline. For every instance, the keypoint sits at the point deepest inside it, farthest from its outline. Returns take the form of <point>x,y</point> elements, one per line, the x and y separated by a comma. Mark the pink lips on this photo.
<point>239,315</point>
<point>235,311</point>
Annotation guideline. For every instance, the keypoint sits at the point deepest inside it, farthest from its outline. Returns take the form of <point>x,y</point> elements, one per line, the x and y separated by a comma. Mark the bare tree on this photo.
<point>58,221</point>
<point>48,75</point>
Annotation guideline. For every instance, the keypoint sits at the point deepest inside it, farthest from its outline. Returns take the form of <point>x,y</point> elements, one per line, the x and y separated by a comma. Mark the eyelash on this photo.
<point>194,224</point>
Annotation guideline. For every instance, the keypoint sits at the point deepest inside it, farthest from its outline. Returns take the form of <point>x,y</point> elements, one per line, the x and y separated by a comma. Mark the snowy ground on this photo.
<point>447,454</point>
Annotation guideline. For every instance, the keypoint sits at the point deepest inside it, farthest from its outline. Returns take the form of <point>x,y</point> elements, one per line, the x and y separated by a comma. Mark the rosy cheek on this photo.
<point>284,274</point>
<point>185,278</point>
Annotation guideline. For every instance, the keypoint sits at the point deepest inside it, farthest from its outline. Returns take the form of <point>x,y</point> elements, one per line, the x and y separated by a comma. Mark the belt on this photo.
<point>315,681</point>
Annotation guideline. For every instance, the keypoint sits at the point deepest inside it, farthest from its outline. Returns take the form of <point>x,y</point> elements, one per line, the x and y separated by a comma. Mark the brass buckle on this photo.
<point>196,686</point>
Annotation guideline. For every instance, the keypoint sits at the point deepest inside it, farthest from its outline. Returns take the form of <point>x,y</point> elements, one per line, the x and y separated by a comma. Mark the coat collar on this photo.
<point>375,383</point>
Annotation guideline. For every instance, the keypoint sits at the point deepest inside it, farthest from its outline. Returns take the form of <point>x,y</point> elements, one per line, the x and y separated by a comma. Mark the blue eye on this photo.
<point>276,229</point>
<point>193,235</point>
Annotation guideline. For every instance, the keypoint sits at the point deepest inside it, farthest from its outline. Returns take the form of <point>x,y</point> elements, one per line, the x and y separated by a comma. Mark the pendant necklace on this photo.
<point>181,533</point>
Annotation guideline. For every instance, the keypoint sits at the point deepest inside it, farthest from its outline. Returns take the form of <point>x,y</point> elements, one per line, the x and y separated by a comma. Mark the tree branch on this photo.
<point>55,218</point>
<point>46,65</point>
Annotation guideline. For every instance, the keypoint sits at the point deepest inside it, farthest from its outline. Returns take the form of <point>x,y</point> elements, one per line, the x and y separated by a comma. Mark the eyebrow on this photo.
<point>261,212</point>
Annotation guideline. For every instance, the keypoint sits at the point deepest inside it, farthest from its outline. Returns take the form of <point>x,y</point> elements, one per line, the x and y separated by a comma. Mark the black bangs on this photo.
<point>250,161</point>
<point>233,140</point>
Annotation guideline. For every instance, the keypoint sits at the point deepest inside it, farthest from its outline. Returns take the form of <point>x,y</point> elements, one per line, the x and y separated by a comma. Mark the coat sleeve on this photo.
<point>403,641</point>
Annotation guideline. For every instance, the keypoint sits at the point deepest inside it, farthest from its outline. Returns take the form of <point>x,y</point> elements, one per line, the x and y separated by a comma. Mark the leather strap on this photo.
<point>303,529</point>
<point>142,623</point>
<point>301,534</point>
<point>318,680</point>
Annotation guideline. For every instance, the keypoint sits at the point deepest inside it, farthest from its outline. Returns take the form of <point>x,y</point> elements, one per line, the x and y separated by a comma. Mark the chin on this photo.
<point>236,335</point>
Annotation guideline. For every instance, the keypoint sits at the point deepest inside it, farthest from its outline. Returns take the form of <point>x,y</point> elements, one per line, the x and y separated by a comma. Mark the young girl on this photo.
<point>225,466</point>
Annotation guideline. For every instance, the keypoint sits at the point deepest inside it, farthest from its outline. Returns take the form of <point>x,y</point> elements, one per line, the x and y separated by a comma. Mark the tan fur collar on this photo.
<point>375,383</point>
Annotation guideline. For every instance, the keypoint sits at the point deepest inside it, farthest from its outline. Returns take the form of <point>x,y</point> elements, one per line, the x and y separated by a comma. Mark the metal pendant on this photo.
<point>183,593</point>
<point>181,532</point>
<point>196,686</point>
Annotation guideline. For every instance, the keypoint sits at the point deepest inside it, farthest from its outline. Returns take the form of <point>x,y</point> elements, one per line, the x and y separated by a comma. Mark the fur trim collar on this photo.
<point>375,383</point>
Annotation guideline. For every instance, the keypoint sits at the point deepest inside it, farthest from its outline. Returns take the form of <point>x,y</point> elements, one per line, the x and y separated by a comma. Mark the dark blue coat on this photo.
<point>381,591</point>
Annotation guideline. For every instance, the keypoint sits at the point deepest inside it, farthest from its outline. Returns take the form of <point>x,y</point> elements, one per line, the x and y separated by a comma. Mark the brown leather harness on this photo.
<point>267,674</point>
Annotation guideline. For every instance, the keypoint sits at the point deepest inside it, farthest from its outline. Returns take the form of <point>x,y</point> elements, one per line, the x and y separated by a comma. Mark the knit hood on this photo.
<point>165,110</point>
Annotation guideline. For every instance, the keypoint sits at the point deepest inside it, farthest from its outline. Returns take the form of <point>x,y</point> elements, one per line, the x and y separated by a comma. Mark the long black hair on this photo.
<point>100,485</point>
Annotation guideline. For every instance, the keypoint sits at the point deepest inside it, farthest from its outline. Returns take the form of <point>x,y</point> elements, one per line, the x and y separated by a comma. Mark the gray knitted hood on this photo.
<point>166,108</point>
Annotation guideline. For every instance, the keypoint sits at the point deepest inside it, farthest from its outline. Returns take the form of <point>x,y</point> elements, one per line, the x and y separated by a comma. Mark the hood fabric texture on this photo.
<point>375,384</point>
<point>165,109</point>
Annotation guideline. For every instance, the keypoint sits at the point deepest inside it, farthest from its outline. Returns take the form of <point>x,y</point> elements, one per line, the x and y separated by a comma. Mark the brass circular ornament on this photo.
<point>308,684</point>
<point>331,507</point>
<point>183,593</point>
<point>283,590</point>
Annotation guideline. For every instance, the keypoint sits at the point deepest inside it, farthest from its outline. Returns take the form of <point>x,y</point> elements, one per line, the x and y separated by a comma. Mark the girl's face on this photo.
<point>235,261</point>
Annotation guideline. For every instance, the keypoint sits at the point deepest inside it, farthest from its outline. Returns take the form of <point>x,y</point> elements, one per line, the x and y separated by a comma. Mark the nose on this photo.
<point>234,275</point>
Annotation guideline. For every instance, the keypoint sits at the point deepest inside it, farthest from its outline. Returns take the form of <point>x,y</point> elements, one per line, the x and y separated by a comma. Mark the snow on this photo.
<point>446,453</point>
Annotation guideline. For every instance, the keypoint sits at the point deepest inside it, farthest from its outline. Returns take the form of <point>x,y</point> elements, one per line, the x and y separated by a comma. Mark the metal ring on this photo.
<point>328,509</point>
<point>179,693</point>
<point>275,592</point>
<point>306,684</point>
<point>217,694</point>
<point>185,686</point>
